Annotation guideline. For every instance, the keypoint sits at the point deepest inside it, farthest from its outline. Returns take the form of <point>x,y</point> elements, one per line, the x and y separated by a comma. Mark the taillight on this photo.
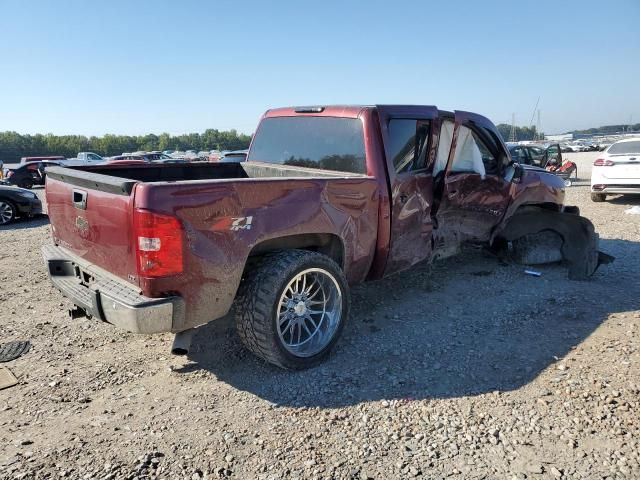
<point>10,174</point>
<point>601,162</point>
<point>159,244</point>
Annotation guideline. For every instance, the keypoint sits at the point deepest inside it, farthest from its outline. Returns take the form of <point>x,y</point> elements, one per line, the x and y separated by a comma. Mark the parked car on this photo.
<point>579,147</point>
<point>527,154</point>
<point>564,148</point>
<point>30,174</point>
<point>17,202</point>
<point>617,171</point>
<point>88,157</point>
<point>328,197</point>
<point>214,155</point>
<point>140,156</point>
<point>24,160</point>
<point>171,160</point>
<point>235,156</point>
<point>548,157</point>
<point>42,158</point>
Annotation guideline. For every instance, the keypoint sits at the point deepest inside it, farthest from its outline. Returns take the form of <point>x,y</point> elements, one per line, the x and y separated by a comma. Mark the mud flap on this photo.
<point>580,241</point>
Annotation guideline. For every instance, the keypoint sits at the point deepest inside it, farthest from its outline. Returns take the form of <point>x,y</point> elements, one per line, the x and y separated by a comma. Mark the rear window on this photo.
<point>624,148</point>
<point>327,143</point>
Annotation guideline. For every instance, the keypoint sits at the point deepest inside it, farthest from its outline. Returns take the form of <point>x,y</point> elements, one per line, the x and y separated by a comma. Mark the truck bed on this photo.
<point>121,178</point>
<point>226,212</point>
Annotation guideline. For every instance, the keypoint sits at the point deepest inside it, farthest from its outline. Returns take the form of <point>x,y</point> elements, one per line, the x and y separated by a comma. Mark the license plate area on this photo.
<point>85,277</point>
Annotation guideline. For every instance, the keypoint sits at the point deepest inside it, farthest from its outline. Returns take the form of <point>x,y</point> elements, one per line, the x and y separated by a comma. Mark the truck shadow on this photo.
<point>465,326</point>
<point>25,223</point>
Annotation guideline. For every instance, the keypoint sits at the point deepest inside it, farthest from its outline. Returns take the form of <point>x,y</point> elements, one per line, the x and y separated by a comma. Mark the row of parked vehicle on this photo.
<point>31,171</point>
<point>583,146</point>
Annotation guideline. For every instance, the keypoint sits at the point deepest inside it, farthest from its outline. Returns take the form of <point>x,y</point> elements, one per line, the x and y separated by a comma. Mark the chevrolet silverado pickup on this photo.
<point>328,197</point>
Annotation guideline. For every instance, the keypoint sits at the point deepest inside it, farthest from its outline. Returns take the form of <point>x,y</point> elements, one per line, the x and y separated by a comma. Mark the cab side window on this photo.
<point>408,143</point>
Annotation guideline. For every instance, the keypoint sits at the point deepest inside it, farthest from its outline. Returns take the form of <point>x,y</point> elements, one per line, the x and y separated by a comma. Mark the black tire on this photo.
<point>7,212</point>
<point>25,184</point>
<point>257,301</point>
<point>537,249</point>
<point>598,197</point>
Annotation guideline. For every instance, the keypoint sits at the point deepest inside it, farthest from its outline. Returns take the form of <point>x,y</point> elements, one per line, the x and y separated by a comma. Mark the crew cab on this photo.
<point>328,197</point>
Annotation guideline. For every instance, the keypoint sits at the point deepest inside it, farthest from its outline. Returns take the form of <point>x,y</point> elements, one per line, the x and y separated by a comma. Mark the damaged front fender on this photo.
<point>579,239</point>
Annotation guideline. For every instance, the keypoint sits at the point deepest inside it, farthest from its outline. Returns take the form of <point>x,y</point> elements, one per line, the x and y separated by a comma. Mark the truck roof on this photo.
<point>349,111</point>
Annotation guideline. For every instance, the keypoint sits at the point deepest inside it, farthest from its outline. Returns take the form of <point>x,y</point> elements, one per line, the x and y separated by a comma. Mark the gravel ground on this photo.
<point>465,369</point>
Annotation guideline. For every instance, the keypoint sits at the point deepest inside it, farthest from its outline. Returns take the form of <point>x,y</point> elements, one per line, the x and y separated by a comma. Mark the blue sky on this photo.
<point>134,67</point>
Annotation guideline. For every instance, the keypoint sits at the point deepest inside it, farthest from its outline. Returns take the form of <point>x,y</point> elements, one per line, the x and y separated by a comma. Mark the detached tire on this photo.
<point>598,197</point>
<point>537,249</point>
<point>291,308</point>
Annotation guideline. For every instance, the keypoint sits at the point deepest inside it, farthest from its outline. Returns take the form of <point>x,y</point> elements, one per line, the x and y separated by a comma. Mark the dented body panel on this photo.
<point>373,222</point>
<point>218,252</point>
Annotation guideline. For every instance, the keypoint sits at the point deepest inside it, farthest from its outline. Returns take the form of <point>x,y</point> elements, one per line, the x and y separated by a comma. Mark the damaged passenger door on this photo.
<point>475,190</point>
<point>406,133</point>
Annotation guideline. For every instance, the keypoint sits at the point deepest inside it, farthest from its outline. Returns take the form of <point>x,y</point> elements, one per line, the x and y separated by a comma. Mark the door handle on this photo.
<point>79,199</point>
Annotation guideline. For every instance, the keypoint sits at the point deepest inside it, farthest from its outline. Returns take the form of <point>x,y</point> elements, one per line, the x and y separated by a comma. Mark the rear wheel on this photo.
<point>598,197</point>
<point>291,308</point>
<point>7,212</point>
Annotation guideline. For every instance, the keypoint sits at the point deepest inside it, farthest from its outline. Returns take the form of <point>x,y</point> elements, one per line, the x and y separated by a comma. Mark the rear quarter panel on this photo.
<point>216,253</point>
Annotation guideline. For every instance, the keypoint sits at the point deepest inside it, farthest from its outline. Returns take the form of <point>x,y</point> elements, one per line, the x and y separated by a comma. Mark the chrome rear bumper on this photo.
<point>107,298</point>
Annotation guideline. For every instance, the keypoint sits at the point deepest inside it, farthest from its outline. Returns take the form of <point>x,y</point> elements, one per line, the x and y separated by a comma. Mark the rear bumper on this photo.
<point>109,299</point>
<point>618,188</point>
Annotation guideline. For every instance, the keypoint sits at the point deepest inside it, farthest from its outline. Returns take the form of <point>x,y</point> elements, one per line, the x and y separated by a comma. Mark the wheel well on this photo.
<point>326,243</point>
<point>9,201</point>
<point>545,206</point>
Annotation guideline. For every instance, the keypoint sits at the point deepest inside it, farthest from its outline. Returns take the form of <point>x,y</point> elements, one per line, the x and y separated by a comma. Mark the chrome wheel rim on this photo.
<point>309,312</point>
<point>6,213</point>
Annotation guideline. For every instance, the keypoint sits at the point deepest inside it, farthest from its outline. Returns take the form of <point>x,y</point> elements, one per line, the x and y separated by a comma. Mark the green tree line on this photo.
<point>13,145</point>
<point>522,133</point>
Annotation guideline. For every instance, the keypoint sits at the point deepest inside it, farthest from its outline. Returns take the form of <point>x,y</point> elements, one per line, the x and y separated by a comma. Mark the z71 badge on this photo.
<point>233,223</point>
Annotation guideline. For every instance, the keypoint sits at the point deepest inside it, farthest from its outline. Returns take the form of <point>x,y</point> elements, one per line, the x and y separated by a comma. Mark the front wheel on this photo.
<point>291,308</point>
<point>7,212</point>
<point>598,197</point>
<point>537,249</point>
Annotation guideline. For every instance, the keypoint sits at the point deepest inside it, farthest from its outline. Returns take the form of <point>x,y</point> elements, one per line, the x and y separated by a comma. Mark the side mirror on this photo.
<point>518,173</point>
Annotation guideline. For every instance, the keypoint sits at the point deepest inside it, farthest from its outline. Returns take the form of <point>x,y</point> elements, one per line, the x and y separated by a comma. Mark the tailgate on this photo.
<point>91,215</point>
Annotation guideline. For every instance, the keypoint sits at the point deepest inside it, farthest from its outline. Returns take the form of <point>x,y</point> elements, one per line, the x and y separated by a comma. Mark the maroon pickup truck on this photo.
<point>328,197</point>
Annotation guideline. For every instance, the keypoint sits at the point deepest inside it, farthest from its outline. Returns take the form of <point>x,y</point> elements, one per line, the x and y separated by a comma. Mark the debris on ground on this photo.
<point>12,350</point>
<point>533,273</point>
<point>7,379</point>
<point>633,210</point>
